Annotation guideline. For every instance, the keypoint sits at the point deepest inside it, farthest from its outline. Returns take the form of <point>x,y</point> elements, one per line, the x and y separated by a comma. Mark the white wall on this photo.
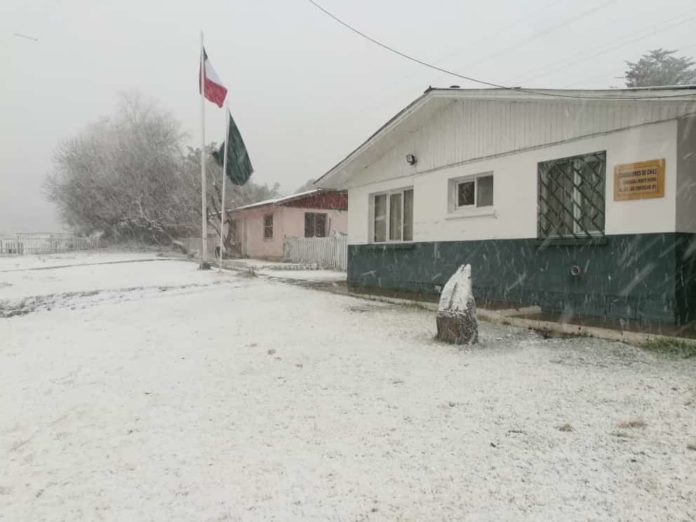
<point>515,188</point>
<point>449,131</point>
<point>686,176</point>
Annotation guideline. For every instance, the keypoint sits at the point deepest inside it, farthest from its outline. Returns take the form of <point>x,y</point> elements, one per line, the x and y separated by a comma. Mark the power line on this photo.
<point>549,29</point>
<point>679,48</point>
<point>25,36</point>
<point>496,31</point>
<point>492,34</point>
<point>581,57</point>
<point>470,78</point>
<point>399,53</point>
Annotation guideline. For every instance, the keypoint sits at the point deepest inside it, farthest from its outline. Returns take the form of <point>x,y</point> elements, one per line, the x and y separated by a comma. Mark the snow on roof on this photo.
<point>640,93</point>
<point>276,201</point>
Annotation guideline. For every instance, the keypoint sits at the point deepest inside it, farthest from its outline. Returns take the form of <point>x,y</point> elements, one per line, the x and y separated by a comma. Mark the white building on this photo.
<point>582,202</point>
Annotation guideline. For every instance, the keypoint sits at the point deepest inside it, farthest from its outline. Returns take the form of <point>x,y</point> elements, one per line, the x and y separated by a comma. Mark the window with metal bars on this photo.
<point>571,197</point>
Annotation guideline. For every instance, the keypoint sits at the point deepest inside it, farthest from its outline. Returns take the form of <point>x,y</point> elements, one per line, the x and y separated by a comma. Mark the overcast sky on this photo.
<point>303,90</point>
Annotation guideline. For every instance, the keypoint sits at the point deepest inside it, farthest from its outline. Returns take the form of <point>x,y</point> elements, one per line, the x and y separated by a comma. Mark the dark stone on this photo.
<point>456,315</point>
<point>457,327</point>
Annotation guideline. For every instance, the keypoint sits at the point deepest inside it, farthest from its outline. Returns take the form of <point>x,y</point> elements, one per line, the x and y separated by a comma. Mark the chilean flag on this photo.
<point>214,90</point>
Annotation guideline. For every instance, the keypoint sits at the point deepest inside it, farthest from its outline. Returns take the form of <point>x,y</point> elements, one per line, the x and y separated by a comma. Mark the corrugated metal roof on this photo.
<point>277,201</point>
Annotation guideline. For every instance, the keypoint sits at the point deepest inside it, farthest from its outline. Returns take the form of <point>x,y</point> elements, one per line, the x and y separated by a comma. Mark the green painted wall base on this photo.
<point>643,278</point>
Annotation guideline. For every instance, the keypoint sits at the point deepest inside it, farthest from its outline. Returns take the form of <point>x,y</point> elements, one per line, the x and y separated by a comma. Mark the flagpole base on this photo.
<point>204,266</point>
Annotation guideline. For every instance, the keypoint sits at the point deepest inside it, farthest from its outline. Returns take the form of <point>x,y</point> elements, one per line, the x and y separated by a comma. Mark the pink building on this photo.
<point>260,228</point>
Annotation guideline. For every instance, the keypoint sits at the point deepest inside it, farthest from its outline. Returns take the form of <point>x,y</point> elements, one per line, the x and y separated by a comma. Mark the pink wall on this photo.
<point>287,222</point>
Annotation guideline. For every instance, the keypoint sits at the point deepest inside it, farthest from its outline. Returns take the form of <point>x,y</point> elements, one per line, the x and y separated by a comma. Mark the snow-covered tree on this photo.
<point>122,175</point>
<point>307,185</point>
<point>660,67</point>
<point>128,177</point>
<point>235,195</point>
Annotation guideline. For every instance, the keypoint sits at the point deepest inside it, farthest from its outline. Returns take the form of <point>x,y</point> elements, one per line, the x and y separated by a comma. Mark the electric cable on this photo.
<point>480,81</point>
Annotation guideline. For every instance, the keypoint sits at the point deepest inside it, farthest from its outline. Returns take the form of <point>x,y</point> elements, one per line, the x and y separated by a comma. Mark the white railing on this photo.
<point>327,252</point>
<point>28,244</point>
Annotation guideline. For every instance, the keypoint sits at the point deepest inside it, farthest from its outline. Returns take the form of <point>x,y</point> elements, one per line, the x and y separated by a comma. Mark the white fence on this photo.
<point>27,244</point>
<point>327,252</point>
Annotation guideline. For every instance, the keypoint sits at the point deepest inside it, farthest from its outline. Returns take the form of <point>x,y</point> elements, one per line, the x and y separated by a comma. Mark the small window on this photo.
<point>571,197</point>
<point>393,216</point>
<point>314,224</point>
<point>471,192</point>
<point>268,226</point>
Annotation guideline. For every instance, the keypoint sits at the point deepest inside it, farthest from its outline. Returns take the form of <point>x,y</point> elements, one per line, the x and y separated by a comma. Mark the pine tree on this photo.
<point>660,67</point>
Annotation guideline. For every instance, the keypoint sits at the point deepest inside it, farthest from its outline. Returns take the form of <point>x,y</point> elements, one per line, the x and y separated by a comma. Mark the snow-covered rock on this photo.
<point>456,313</point>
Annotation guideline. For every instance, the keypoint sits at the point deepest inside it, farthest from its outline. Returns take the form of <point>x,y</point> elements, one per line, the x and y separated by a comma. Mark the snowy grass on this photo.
<point>632,424</point>
<point>154,391</point>
<point>669,347</point>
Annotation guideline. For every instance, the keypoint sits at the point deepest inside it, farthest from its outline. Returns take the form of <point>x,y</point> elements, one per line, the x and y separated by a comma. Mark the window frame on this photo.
<point>474,209</point>
<point>314,216</point>
<point>387,216</point>
<point>232,230</point>
<point>575,198</point>
<point>266,227</point>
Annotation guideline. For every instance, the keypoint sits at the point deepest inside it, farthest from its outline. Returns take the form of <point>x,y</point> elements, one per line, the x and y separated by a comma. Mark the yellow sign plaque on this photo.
<point>642,180</point>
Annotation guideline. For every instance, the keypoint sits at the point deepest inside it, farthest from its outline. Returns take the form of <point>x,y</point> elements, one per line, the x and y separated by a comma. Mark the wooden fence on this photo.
<point>327,252</point>
<point>27,244</point>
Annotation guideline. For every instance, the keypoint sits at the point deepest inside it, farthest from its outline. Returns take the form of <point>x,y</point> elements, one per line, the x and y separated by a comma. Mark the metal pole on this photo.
<point>224,178</point>
<point>204,211</point>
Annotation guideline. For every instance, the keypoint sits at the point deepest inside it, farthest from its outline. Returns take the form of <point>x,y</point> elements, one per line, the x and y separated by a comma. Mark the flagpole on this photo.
<point>204,212</point>
<point>224,178</point>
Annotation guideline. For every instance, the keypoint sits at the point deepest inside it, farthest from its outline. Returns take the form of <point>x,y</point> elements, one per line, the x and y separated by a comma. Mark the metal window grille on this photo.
<point>571,197</point>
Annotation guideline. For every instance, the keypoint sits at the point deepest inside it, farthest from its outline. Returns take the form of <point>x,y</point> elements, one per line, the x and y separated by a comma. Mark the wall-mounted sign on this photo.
<point>642,180</point>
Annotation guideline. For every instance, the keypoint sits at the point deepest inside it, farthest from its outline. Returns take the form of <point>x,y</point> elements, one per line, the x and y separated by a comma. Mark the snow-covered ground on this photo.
<point>292,271</point>
<point>153,391</point>
<point>89,257</point>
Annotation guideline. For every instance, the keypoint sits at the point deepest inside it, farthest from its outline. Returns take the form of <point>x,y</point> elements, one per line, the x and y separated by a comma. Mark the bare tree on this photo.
<point>306,186</point>
<point>659,67</point>
<point>235,195</point>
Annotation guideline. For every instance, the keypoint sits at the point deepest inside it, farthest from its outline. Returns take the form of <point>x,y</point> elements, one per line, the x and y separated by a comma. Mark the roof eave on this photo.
<point>402,114</point>
<point>280,201</point>
<point>494,93</point>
